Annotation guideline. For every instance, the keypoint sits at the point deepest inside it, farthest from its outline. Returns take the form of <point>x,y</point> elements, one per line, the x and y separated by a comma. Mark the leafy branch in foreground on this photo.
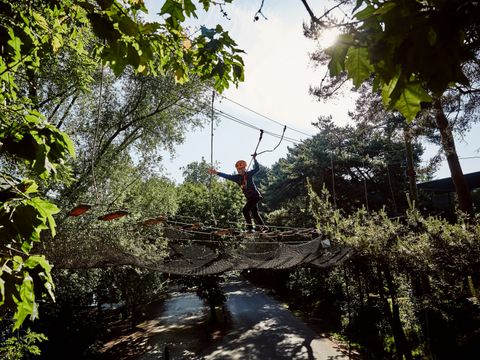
<point>407,48</point>
<point>416,54</point>
<point>111,32</point>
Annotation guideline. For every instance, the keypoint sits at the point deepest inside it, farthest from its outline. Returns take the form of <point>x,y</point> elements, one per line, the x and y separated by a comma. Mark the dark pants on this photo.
<point>251,210</point>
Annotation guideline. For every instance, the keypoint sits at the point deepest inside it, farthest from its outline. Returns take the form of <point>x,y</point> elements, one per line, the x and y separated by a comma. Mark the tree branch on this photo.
<point>67,110</point>
<point>44,102</point>
<point>117,132</point>
<point>52,114</point>
<point>259,12</point>
<point>318,20</point>
<point>310,12</point>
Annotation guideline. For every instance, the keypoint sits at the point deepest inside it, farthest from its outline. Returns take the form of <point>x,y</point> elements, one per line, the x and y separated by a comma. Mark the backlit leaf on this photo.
<point>25,304</point>
<point>358,65</point>
<point>365,13</point>
<point>56,43</point>
<point>388,89</point>
<point>385,8</point>
<point>410,99</point>
<point>338,52</point>
<point>46,209</point>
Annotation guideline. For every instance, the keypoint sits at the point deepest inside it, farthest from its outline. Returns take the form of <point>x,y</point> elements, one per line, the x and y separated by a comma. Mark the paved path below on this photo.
<point>259,328</point>
<point>262,328</point>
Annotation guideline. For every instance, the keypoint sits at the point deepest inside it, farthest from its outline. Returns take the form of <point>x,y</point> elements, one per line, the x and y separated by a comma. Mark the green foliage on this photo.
<point>132,129</point>
<point>227,201</point>
<point>344,160</point>
<point>42,146</point>
<point>45,34</point>
<point>408,48</point>
<point>421,266</point>
<point>21,347</point>
<point>126,41</point>
<point>201,193</point>
<point>93,303</point>
<point>294,213</point>
<point>197,172</point>
<point>23,216</point>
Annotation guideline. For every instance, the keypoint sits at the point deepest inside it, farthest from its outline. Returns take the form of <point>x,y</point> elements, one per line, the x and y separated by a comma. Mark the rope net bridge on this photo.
<point>182,248</point>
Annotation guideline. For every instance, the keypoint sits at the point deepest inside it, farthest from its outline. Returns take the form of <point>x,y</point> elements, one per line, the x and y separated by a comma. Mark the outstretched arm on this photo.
<point>223,175</point>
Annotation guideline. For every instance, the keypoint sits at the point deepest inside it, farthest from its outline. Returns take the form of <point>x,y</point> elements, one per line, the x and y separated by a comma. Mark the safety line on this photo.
<point>245,123</point>
<point>259,114</point>
<point>264,116</point>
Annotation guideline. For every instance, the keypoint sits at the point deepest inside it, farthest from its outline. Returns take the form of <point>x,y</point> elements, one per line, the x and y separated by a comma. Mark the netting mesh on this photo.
<point>195,250</point>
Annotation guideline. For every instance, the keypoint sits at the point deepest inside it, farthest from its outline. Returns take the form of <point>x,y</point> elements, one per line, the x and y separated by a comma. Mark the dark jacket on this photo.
<point>245,181</point>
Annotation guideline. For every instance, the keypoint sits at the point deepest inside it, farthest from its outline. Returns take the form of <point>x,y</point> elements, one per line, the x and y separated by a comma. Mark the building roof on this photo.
<point>446,184</point>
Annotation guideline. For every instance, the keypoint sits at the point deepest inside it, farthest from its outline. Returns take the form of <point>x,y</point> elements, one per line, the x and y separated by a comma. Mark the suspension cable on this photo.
<point>264,116</point>
<point>95,134</point>
<point>333,181</point>
<point>211,160</point>
<point>256,148</point>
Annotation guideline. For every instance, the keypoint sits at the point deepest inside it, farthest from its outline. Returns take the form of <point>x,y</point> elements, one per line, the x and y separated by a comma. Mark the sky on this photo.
<point>278,74</point>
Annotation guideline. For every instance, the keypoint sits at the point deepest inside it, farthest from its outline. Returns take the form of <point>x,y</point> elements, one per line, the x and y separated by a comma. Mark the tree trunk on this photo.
<point>448,144</point>
<point>32,88</point>
<point>213,312</point>
<point>361,290</point>
<point>439,336</point>
<point>420,290</point>
<point>412,178</point>
<point>393,314</point>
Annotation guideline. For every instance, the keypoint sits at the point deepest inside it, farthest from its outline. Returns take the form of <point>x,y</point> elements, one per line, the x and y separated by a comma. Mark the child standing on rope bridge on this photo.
<point>244,178</point>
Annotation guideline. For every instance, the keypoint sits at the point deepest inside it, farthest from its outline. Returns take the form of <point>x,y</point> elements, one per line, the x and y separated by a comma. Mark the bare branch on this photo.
<point>259,12</point>
<point>318,20</point>
<point>50,117</point>
<point>61,94</point>
<point>325,14</point>
<point>310,12</point>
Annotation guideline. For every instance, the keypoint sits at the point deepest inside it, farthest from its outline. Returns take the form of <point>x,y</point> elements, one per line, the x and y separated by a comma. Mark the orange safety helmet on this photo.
<point>241,164</point>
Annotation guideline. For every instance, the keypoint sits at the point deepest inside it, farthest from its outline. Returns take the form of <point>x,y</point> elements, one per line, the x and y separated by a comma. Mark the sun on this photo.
<point>328,37</point>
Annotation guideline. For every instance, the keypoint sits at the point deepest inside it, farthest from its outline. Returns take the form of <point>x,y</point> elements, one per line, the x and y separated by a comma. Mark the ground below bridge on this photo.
<point>256,326</point>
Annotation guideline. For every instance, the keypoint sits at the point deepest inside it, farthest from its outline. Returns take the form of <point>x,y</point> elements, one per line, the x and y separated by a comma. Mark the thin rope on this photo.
<point>391,190</point>
<point>281,227</point>
<point>365,186</point>
<point>265,117</point>
<point>247,240</point>
<point>211,159</point>
<point>189,228</point>
<point>257,113</point>
<point>233,222</point>
<point>255,151</point>
<point>170,218</point>
<point>333,182</point>
<point>300,231</point>
<point>467,158</point>
<point>226,239</point>
<point>244,123</point>
<point>94,145</point>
